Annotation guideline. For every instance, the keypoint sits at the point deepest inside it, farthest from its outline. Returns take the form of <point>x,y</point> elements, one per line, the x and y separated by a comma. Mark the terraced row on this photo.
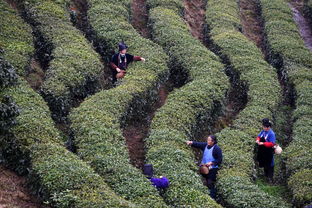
<point>98,121</point>
<point>73,67</point>
<point>235,179</point>
<point>187,110</point>
<point>288,51</point>
<point>58,175</point>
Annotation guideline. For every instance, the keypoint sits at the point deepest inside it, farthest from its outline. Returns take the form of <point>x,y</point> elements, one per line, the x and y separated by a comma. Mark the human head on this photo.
<point>211,140</point>
<point>266,124</point>
<point>122,48</point>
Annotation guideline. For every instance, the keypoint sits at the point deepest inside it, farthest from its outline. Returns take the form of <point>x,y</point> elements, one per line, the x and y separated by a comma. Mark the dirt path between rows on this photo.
<point>304,24</point>
<point>14,193</point>
<point>139,17</point>
<point>137,131</point>
<point>253,27</point>
<point>194,14</point>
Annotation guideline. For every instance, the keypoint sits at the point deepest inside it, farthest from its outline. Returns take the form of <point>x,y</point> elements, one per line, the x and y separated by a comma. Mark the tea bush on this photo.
<point>187,108</point>
<point>287,47</point>
<point>97,122</point>
<point>34,144</point>
<point>238,141</point>
<point>73,67</point>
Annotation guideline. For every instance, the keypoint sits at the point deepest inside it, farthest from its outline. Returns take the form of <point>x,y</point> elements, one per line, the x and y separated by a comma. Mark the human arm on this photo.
<point>134,58</point>
<point>199,145</point>
<point>270,140</point>
<point>138,58</point>
<point>217,154</point>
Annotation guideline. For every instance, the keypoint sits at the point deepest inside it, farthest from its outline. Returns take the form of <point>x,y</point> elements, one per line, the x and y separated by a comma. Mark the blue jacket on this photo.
<point>217,152</point>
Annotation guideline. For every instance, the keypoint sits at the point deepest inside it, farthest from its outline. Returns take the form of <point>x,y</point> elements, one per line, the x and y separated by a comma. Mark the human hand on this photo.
<point>118,70</point>
<point>143,59</point>
<point>189,142</point>
<point>209,164</point>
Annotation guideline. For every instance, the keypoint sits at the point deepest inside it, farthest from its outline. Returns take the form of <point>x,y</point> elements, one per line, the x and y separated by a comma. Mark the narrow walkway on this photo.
<point>236,98</point>
<point>252,23</point>
<point>136,131</point>
<point>13,191</point>
<point>253,28</point>
<point>195,17</point>
<point>304,24</point>
<point>194,14</point>
<point>139,17</point>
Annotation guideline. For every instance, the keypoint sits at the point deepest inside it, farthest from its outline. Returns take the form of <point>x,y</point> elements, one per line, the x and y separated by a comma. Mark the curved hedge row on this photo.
<point>8,108</point>
<point>58,175</point>
<point>98,121</point>
<point>74,68</point>
<point>288,49</point>
<point>15,39</point>
<point>234,180</point>
<point>187,109</point>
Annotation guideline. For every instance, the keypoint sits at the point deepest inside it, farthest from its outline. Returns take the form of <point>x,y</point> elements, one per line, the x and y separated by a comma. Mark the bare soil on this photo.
<point>35,76</point>
<point>14,193</point>
<point>253,27</point>
<point>304,24</point>
<point>139,18</point>
<point>136,132</point>
<point>194,14</point>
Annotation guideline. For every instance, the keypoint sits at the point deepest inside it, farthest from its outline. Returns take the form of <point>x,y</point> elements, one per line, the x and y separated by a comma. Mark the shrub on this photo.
<point>97,122</point>
<point>300,184</point>
<point>15,38</point>
<point>181,117</point>
<point>8,108</point>
<point>234,179</point>
<point>34,144</point>
<point>287,44</point>
<point>73,67</point>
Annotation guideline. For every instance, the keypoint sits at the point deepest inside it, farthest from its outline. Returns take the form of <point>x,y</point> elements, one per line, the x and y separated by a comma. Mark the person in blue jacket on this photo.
<point>212,158</point>
<point>265,155</point>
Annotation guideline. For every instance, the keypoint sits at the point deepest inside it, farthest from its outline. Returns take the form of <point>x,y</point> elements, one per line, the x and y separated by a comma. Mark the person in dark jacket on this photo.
<point>120,61</point>
<point>265,155</point>
<point>212,158</point>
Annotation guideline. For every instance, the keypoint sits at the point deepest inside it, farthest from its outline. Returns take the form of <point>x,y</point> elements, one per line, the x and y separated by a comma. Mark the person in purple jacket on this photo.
<point>160,183</point>
<point>212,158</point>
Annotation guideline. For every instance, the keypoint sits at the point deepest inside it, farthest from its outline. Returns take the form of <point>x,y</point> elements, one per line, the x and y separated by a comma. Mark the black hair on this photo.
<point>266,122</point>
<point>214,138</point>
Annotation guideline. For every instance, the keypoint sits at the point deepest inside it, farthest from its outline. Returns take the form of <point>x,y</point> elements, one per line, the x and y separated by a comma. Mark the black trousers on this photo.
<point>269,171</point>
<point>211,179</point>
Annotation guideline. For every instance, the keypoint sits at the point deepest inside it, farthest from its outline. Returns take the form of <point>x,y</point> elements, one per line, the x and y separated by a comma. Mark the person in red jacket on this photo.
<point>265,155</point>
<point>120,61</point>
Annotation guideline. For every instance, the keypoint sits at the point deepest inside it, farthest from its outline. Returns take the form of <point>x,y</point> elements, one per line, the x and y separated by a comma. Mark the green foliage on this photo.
<point>301,186</point>
<point>35,144</point>
<point>237,141</point>
<point>8,75</point>
<point>180,118</point>
<point>240,191</point>
<point>75,66</point>
<point>288,47</point>
<point>8,108</point>
<point>56,168</point>
<point>15,38</point>
<point>283,35</point>
<point>98,120</point>
<point>53,168</point>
